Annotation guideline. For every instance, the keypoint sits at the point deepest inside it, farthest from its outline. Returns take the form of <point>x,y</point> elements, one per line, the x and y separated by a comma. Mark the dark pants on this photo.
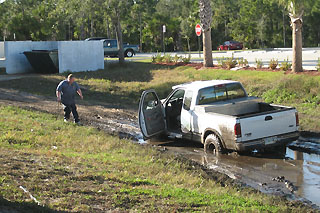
<point>68,108</point>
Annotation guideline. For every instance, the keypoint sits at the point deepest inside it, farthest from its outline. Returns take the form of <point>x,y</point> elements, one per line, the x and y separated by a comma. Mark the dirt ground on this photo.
<point>114,121</point>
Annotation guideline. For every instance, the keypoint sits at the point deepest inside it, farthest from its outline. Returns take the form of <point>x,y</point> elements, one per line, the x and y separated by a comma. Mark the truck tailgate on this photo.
<point>267,125</point>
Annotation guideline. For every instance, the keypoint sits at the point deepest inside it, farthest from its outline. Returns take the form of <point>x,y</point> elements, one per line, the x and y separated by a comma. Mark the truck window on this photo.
<point>150,101</point>
<point>113,43</point>
<point>207,95</point>
<point>235,91</point>
<point>187,100</point>
<point>220,93</point>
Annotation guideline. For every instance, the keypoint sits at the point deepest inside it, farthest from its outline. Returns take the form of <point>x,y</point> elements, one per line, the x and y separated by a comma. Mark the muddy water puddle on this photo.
<point>295,175</point>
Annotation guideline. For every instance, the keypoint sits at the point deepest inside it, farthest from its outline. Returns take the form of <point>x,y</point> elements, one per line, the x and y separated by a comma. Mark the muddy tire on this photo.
<point>212,145</point>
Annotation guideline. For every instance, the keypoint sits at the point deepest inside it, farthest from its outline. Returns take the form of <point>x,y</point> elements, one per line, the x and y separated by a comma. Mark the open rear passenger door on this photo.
<point>151,114</point>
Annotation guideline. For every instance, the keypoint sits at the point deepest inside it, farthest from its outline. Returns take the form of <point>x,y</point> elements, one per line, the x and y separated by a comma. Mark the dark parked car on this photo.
<point>231,45</point>
<point>111,48</point>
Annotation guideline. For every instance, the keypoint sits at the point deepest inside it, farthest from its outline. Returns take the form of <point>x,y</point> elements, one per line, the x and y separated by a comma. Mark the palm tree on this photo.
<point>296,10</point>
<point>206,19</point>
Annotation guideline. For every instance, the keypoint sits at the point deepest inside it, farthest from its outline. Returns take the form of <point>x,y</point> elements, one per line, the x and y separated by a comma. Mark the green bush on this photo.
<point>222,62</point>
<point>242,62</point>
<point>286,65</point>
<point>186,59</point>
<point>259,63</point>
<point>231,62</point>
<point>176,58</point>
<point>273,64</point>
<point>157,58</point>
<point>167,58</point>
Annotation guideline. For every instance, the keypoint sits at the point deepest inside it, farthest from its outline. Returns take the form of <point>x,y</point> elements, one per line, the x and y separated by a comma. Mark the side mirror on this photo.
<point>186,107</point>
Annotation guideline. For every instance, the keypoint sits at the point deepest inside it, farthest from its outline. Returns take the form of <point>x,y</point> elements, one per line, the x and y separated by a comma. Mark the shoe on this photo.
<point>78,123</point>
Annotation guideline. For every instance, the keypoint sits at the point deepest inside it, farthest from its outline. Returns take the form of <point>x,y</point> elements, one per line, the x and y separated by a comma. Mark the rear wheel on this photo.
<point>212,145</point>
<point>129,53</point>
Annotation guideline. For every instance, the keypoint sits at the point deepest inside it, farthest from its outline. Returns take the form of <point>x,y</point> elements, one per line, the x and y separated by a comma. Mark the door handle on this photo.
<point>268,118</point>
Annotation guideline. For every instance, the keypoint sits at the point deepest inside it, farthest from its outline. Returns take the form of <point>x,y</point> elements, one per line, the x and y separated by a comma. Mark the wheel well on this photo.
<point>211,131</point>
<point>127,50</point>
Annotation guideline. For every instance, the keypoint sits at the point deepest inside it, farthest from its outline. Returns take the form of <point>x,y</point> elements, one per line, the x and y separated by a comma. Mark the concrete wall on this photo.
<point>77,56</point>
<point>2,63</point>
<point>16,61</point>
<point>1,49</point>
<point>74,56</point>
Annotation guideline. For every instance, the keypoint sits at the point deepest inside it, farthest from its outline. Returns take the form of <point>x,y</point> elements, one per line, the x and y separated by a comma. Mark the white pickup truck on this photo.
<point>219,114</point>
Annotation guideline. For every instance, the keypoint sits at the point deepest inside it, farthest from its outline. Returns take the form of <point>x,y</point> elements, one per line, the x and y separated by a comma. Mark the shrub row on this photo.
<point>167,58</point>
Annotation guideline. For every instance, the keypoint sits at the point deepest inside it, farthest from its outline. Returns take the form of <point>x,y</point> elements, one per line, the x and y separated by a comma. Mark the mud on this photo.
<point>295,175</point>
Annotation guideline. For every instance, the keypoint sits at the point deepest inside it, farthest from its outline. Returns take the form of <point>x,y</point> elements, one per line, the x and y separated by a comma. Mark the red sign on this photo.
<point>198,30</point>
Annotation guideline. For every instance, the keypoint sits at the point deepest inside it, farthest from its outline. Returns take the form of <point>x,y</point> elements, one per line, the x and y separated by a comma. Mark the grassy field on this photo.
<point>72,168</point>
<point>122,86</point>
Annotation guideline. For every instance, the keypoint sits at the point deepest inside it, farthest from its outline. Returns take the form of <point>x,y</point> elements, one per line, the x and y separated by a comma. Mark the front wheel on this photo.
<point>212,145</point>
<point>129,53</point>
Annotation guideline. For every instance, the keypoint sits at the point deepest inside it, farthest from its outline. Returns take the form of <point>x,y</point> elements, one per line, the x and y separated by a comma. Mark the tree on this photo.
<point>116,9</point>
<point>206,20</point>
<point>296,10</point>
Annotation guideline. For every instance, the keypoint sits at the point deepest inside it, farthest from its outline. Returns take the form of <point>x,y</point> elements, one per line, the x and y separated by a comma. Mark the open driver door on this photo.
<point>151,114</point>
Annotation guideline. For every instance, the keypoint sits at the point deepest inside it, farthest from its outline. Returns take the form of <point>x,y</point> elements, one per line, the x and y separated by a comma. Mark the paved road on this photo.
<point>310,56</point>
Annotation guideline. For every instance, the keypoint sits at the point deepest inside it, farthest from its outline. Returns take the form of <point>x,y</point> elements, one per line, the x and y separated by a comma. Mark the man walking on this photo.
<point>66,92</point>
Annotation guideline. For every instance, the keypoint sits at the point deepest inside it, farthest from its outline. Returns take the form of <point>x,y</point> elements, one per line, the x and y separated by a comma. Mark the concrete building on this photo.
<point>74,56</point>
<point>2,59</point>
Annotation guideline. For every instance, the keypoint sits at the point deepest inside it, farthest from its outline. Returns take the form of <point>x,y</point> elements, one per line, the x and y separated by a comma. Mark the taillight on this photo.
<point>237,130</point>
<point>297,119</point>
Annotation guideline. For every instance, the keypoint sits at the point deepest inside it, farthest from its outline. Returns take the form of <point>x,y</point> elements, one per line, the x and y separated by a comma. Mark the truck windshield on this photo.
<point>220,93</point>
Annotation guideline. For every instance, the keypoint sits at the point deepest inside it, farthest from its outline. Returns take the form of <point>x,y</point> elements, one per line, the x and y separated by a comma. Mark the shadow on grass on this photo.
<point>24,207</point>
<point>127,72</point>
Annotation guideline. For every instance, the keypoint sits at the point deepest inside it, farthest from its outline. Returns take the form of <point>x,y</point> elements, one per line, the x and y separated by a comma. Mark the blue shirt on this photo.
<point>68,92</point>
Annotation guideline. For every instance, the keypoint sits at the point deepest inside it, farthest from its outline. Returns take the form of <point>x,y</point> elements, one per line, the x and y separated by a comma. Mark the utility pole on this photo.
<point>140,31</point>
<point>163,40</point>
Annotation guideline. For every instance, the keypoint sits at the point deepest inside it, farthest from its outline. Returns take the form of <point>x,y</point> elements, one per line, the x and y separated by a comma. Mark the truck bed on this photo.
<point>242,107</point>
<point>257,119</point>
